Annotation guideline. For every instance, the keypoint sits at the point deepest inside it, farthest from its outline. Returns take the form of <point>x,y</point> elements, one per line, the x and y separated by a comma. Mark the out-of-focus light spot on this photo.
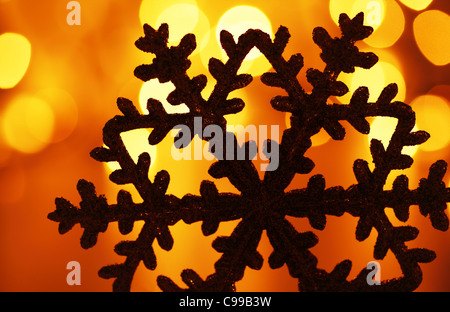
<point>240,118</point>
<point>441,90</point>
<point>182,16</point>
<point>15,55</point>
<point>64,109</point>
<point>159,91</point>
<point>417,5</point>
<point>242,18</point>
<point>393,75</point>
<point>382,128</point>
<point>374,10</point>
<point>150,10</point>
<point>431,29</point>
<point>185,18</point>
<point>28,124</point>
<point>136,142</point>
<point>201,31</point>
<point>318,139</point>
<point>255,67</point>
<point>372,78</point>
<point>206,92</point>
<point>433,115</point>
<point>375,79</point>
<point>390,29</point>
<point>384,16</point>
<point>237,21</point>
<point>212,49</point>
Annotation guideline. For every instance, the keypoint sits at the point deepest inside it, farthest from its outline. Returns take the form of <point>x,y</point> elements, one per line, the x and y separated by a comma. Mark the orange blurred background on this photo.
<point>59,84</point>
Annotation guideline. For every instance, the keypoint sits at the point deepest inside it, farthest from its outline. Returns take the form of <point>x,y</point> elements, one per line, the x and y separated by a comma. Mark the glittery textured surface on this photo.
<point>263,204</point>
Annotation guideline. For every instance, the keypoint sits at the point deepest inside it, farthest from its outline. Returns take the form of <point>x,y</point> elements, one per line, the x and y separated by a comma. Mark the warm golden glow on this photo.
<point>242,18</point>
<point>393,75</point>
<point>431,31</point>
<point>385,17</point>
<point>28,124</point>
<point>318,139</point>
<point>237,21</point>
<point>433,115</point>
<point>59,84</point>
<point>150,10</point>
<point>372,78</point>
<point>65,111</point>
<point>374,10</point>
<point>159,91</point>
<point>136,142</point>
<point>376,79</point>
<point>391,29</point>
<point>182,19</point>
<point>240,118</point>
<point>5,151</point>
<point>15,55</point>
<point>417,5</point>
<point>382,128</point>
<point>14,190</point>
<point>201,31</point>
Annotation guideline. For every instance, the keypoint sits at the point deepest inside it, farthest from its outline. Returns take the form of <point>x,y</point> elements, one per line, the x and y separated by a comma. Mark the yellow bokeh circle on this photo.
<point>15,55</point>
<point>384,16</point>
<point>28,124</point>
<point>159,91</point>
<point>433,115</point>
<point>136,142</point>
<point>417,5</point>
<point>375,79</point>
<point>237,21</point>
<point>382,128</point>
<point>431,31</point>
<point>183,17</point>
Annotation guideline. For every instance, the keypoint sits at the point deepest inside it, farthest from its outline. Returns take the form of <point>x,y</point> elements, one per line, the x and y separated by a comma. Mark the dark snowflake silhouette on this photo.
<point>262,204</point>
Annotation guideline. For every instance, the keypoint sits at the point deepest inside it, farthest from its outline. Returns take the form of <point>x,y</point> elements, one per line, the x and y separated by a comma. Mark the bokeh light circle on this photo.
<point>237,21</point>
<point>374,11</point>
<point>159,91</point>
<point>65,111</point>
<point>28,124</point>
<point>15,55</point>
<point>431,32</point>
<point>384,16</point>
<point>318,139</point>
<point>382,128</point>
<point>183,17</point>
<point>136,142</point>
<point>432,116</point>
<point>375,79</point>
<point>417,5</point>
